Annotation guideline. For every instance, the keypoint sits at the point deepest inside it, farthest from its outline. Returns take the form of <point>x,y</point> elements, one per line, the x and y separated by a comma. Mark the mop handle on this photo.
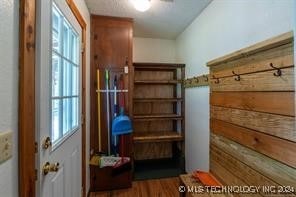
<point>121,97</point>
<point>108,108</point>
<point>115,97</point>
<point>115,105</point>
<point>99,111</point>
<point>121,105</point>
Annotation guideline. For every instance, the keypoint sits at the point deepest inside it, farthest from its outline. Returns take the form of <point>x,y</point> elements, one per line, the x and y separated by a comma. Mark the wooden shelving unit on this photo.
<point>159,116</point>
<point>159,137</point>
<point>158,110</point>
<point>171,82</point>
<point>148,100</point>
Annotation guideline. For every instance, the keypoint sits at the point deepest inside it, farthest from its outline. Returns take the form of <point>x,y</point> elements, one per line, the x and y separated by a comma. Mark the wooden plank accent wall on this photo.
<point>277,125</point>
<point>281,103</point>
<point>266,144</point>
<point>253,135</point>
<point>269,168</point>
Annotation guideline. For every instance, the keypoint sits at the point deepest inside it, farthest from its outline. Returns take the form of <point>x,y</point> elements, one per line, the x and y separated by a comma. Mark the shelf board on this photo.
<point>158,82</point>
<point>157,66</point>
<point>157,117</point>
<point>160,136</point>
<point>146,100</point>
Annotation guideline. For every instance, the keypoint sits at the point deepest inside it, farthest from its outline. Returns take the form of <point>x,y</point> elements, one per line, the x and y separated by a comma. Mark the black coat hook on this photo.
<point>190,81</point>
<point>278,72</point>
<point>237,76</point>
<point>196,78</point>
<point>206,78</point>
<point>216,80</point>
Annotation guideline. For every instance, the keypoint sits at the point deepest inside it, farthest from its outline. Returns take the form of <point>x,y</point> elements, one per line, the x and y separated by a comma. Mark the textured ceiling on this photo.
<point>162,20</point>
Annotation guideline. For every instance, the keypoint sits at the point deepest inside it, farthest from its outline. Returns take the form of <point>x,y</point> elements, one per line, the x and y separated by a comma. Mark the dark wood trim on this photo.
<point>112,18</point>
<point>183,126</point>
<point>27,57</point>
<point>83,25</point>
<point>77,14</point>
<point>26,125</point>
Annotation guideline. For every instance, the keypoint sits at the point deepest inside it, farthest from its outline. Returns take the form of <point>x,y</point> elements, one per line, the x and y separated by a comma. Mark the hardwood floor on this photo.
<point>167,187</point>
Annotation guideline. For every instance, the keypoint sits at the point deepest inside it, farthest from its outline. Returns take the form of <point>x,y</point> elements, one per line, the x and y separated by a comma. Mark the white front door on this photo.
<point>58,96</point>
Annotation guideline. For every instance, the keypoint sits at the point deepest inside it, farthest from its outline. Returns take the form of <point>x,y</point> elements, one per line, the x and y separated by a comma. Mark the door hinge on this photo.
<point>36,147</point>
<point>36,175</point>
<point>82,119</point>
<point>82,47</point>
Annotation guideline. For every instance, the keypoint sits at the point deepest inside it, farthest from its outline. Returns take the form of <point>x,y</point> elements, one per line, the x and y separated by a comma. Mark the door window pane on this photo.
<point>56,26</point>
<point>67,78</point>
<point>74,49</point>
<point>56,75</point>
<point>75,80</point>
<point>55,119</point>
<point>66,115</point>
<point>64,78</point>
<point>66,43</point>
<point>75,111</point>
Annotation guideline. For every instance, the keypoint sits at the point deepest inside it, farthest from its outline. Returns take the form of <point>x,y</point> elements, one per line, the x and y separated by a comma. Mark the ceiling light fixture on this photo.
<point>141,5</point>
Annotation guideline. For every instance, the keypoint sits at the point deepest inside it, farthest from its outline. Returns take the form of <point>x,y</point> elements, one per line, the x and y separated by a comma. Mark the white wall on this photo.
<point>9,92</point>
<point>223,27</point>
<point>154,50</point>
<point>85,13</point>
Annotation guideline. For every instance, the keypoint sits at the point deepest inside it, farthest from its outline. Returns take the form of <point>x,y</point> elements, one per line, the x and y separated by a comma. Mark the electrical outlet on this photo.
<point>5,146</point>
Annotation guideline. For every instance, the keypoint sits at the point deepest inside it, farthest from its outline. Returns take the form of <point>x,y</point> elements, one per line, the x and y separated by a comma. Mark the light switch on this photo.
<point>5,146</point>
<point>126,70</point>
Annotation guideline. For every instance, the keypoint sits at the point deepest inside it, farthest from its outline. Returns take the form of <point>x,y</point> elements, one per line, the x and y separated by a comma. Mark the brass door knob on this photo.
<point>46,143</point>
<point>48,167</point>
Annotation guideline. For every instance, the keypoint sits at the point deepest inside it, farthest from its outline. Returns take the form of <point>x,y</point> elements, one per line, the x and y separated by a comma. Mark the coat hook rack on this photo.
<point>196,81</point>
<point>278,72</point>
<point>111,91</point>
<point>216,79</point>
<point>237,76</point>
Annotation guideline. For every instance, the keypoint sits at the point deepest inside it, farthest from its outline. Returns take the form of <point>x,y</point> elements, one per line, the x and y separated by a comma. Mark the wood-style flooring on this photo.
<point>167,187</point>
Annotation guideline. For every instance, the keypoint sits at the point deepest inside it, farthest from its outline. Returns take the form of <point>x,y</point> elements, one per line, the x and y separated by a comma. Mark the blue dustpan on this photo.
<point>121,124</point>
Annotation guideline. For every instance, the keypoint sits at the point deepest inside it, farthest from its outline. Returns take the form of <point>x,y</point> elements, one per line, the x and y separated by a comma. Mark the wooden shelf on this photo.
<point>158,82</point>
<point>161,136</point>
<point>147,100</point>
<point>158,66</point>
<point>157,117</point>
<point>158,104</point>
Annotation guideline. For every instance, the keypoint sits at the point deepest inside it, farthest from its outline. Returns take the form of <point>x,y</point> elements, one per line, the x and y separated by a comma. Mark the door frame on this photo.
<point>28,146</point>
